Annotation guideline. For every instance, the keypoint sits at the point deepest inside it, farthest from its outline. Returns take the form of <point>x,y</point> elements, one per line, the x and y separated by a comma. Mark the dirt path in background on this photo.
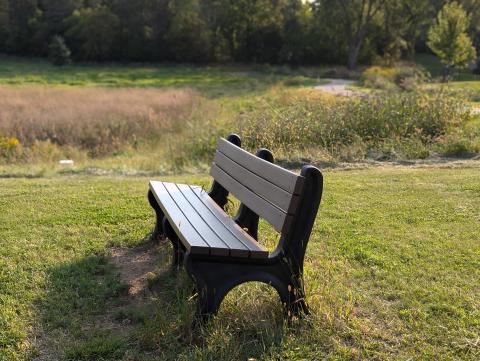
<point>339,87</point>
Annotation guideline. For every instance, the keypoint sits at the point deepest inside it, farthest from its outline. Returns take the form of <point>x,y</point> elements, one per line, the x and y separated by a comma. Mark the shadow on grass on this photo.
<point>90,312</point>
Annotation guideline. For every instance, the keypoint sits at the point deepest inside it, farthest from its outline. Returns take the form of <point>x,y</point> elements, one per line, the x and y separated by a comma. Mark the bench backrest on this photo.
<point>268,190</point>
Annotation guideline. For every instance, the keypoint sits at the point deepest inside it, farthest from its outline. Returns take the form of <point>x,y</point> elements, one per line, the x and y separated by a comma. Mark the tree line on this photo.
<point>199,31</point>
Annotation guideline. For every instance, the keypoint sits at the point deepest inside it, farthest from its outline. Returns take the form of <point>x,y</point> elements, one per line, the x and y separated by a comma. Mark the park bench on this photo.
<point>219,252</point>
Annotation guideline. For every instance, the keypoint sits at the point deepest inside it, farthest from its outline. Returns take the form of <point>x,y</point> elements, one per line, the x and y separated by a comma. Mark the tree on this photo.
<point>95,30</point>
<point>54,15</point>
<point>188,36</point>
<point>295,31</point>
<point>449,40</point>
<point>135,36</point>
<point>20,15</point>
<point>354,19</point>
<point>251,30</point>
<point>58,52</point>
<point>4,23</point>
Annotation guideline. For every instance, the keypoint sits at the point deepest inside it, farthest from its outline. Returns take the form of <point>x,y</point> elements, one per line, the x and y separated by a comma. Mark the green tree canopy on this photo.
<point>263,31</point>
<point>449,40</point>
<point>96,29</point>
<point>58,52</point>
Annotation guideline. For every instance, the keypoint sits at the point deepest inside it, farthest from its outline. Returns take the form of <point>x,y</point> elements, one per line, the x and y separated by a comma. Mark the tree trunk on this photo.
<point>446,73</point>
<point>354,49</point>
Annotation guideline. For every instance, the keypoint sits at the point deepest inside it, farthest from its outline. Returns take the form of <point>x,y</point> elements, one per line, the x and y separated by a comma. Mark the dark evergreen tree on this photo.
<point>58,52</point>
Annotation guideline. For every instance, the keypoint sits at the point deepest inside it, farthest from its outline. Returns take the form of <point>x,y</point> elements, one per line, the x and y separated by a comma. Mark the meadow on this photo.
<point>161,119</point>
<point>392,272</point>
<point>393,265</point>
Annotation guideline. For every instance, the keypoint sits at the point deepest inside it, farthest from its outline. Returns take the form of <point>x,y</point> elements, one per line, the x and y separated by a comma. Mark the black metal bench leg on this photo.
<point>296,305</point>
<point>178,251</point>
<point>158,232</point>
<point>211,287</point>
<point>213,280</point>
<point>208,303</point>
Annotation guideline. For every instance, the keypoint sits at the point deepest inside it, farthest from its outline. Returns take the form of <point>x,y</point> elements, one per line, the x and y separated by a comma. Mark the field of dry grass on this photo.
<point>98,121</point>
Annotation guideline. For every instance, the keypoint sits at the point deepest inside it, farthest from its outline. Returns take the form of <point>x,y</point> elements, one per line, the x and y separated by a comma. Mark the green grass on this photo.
<point>432,64</point>
<point>213,81</point>
<point>392,272</point>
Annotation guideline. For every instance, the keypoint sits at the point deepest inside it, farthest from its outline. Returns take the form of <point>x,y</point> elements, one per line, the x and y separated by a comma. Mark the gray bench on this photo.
<point>219,252</point>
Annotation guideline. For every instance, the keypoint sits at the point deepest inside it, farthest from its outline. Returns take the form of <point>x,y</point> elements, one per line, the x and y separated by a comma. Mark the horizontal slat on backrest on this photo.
<point>279,176</point>
<point>278,218</point>
<point>265,189</point>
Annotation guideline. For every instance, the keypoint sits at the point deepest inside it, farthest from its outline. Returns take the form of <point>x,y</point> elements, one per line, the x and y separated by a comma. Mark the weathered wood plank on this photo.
<point>235,246</point>
<point>279,176</point>
<point>256,250</point>
<point>189,236</point>
<point>217,246</point>
<point>279,219</point>
<point>262,187</point>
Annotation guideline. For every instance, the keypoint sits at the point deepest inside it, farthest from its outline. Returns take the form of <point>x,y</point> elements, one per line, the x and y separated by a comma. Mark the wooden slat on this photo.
<point>235,246</point>
<point>265,189</point>
<point>178,220</point>
<point>217,246</point>
<point>279,176</point>
<point>256,250</point>
<point>279,219</point>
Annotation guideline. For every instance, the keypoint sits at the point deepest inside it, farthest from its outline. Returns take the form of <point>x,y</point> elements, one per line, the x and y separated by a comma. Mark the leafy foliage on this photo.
<point>393,78</point>
<point>94,28</point>
<point>448,38</point>
<point>58,53</point>
<point>284,31</point>
<point>288,124</point>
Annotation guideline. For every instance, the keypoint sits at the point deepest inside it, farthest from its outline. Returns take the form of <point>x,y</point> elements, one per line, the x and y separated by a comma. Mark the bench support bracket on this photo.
<point>158,232</point>
<point>213,280</point>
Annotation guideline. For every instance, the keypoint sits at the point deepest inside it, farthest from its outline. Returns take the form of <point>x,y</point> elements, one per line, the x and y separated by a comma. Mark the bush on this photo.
<point>392,78</point>
<point>349,128</point>
<point>462,142</point>
<point>58,52</point>
<point>10,148</point>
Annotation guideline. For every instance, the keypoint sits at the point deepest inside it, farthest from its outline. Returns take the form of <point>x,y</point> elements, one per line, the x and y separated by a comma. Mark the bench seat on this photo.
<point>201,225</point>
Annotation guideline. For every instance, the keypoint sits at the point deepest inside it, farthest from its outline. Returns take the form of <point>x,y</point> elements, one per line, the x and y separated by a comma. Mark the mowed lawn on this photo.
<point>392,273</point>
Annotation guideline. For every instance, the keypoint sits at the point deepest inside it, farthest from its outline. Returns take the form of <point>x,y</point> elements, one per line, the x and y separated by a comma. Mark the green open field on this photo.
<point>392,272</point>
<point>213,81</point>
<point>392,269</point>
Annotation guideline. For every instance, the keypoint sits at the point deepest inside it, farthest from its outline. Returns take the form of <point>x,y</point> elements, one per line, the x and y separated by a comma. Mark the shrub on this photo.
<point>459,143</point>
<point>391,78</point>
<point>348,128</point>
<point>58,52</point>
<point>9,148</point>
<point>408,78</point>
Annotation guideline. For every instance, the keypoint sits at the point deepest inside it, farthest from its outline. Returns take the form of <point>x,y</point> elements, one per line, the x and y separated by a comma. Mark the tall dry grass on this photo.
<point>98,120</point>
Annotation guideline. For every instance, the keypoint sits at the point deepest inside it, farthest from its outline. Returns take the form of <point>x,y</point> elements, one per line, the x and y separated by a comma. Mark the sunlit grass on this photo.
<point>392,272</point>
<point>212,81</point>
